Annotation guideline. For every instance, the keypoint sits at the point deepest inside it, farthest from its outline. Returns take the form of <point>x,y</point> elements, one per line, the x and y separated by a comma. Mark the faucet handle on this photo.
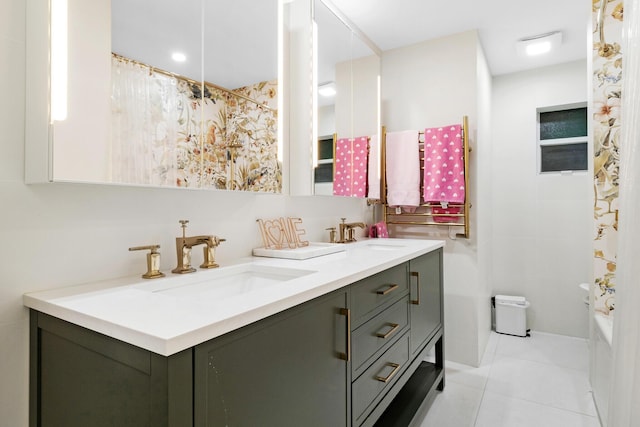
<point>153,261</point>
<point>332,234</point>
<point>210,253</point>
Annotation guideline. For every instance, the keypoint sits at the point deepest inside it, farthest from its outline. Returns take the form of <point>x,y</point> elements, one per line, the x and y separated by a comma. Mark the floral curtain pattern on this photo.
<point>607,86</point>
<point>170,131</point>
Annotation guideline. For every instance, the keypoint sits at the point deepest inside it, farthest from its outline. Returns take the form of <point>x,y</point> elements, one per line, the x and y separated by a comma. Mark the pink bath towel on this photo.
<point>444,165</point>
<point>350,177</point>
<point>403,169</point>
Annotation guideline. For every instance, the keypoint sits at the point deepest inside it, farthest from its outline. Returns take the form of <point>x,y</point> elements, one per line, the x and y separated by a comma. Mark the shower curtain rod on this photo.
<point>190,81</point>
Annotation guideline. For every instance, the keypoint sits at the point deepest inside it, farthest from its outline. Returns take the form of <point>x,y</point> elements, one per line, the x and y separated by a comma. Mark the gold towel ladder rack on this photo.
<point>424,215</point>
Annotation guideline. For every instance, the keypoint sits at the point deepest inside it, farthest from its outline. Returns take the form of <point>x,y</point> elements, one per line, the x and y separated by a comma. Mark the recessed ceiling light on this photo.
<point>538,45</point>
<point>178,57</point>
<point>327,89</point>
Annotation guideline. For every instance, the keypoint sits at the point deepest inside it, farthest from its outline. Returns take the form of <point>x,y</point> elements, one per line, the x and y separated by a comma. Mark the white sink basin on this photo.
<point>234,280</point>
<point>384,246</point>
<point>203,286</point>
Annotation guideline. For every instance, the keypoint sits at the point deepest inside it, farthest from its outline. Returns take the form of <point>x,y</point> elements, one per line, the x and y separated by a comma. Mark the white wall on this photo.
<point>63,234</point>
<point>435,83</point>
<point>542,224</point>
<point>483,154</point>
<point>326,120</point>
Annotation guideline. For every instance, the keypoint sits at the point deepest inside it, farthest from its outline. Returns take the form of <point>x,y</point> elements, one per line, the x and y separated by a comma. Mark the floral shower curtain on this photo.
<point>146,111</point>
<point>624,402</point>
<point>170,131</point>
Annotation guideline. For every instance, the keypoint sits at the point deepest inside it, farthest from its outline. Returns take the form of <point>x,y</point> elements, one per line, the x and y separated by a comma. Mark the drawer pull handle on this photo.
<point>346,356</point>
<point>386,379</point>
<point>417,276</point>
<point>394,327</point>
<point>391,287</point>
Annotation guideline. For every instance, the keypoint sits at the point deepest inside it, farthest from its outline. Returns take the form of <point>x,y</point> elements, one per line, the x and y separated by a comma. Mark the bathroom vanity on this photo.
<point>337,340</point>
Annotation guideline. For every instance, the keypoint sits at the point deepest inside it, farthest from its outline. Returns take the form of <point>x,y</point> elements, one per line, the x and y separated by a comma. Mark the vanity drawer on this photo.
<point>378,333</point>
<point>374,291</point>
<point>378,378</point>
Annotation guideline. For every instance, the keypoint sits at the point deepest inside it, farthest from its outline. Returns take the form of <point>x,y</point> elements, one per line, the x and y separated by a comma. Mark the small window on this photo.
<point>562,139</point>
<point>563,157</point>
<point>325,148</point>
<point>324,170</point>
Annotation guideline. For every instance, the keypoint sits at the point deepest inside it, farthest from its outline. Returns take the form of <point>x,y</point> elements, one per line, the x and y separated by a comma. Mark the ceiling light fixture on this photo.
<point>540,44</point>
<point>327,89</point>
<point>178,57</point>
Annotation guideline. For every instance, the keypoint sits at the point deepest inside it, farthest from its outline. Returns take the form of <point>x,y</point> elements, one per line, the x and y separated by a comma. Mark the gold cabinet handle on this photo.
<point>386,379</point>
<point>391,287</point>
<point>394,327</point>
<point>417,276</point>
<point>346,356</point>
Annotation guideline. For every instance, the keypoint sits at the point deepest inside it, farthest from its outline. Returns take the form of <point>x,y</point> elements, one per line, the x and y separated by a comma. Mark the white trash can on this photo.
<point>511,315</point>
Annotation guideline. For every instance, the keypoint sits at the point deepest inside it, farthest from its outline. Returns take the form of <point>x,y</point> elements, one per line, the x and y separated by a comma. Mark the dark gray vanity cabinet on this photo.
<point>287,370</point>
<point>353,357</point>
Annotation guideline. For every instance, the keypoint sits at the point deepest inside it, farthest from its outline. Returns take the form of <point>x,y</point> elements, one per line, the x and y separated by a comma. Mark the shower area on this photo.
<point>615,130</point>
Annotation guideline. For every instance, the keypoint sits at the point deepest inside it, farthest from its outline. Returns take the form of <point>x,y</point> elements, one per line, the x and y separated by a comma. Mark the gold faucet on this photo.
<point>350,229</point>
<point>183,250</point>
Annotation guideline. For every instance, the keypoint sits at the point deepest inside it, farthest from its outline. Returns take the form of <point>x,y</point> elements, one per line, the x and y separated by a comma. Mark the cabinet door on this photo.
<point>426,297</point>
<point>286,370</point>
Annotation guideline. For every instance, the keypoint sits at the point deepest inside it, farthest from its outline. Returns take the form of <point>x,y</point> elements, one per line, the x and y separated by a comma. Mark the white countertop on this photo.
<point>173,313</point>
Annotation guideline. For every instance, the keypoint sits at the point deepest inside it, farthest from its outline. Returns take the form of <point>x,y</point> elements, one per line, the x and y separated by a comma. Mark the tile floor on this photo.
<point>540,381</point>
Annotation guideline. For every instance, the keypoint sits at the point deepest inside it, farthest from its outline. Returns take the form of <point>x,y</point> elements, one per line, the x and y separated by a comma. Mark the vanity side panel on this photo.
<point>83,378</point>
<point>34,370</point>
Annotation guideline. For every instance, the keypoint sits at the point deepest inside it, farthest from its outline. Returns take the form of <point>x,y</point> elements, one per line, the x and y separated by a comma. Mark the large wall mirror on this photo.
<point>194,94</point>
<point>164,93</point>
<point>348,107</point>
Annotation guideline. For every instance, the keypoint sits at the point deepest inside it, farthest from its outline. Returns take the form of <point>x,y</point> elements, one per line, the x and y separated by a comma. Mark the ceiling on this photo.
<point>500,23</point>
<point>239,36</point>
<point>231,43</point>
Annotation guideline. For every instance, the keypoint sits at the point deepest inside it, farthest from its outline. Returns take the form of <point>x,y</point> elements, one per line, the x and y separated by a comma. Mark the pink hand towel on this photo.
<point>442,211</point>
<point>444,165</point>
<point>403,169</point>
<point>351,167</point>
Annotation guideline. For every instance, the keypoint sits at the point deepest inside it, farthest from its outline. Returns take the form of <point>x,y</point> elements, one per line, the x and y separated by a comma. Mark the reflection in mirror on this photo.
<point>348,121</point>
<point>174,123</point>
